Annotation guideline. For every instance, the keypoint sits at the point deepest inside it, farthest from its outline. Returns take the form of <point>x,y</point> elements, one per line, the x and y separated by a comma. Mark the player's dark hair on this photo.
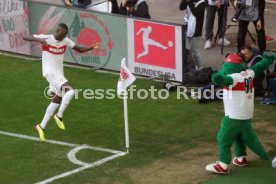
<point>248,47</point>
<point>63,26</point>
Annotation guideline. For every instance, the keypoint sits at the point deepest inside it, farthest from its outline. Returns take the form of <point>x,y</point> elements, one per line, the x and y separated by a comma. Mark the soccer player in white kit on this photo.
<point>53,50</point>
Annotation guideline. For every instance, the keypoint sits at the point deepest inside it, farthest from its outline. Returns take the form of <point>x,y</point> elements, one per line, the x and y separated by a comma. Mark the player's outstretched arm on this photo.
<point>221,79</point>
<point>33,39</point>
<point>82,48</point>
<point>263,64</point>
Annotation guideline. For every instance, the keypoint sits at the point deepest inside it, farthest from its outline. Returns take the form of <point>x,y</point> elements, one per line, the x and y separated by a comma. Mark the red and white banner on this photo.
<point>13,26</point>
<point>155,49</point>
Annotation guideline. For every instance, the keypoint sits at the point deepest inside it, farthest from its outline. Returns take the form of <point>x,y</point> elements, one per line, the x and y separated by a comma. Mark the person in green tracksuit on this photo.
<point>238,106</point>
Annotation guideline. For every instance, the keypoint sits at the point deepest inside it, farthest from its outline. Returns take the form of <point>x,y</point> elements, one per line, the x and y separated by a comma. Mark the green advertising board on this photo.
<point>85,27</point>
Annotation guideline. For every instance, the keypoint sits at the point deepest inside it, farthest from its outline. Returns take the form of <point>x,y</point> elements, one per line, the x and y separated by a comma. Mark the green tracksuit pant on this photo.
<point>240,133</point>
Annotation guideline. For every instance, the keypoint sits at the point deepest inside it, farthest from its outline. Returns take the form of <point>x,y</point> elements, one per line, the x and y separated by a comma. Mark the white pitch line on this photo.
<point>97,163</point>
<point>32,138</point>
<point>103,149</point>
<point>71,155</point>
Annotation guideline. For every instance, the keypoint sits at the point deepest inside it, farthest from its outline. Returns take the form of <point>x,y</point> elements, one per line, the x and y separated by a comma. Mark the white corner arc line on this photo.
<point>71,155</point>
<point>97,163</point>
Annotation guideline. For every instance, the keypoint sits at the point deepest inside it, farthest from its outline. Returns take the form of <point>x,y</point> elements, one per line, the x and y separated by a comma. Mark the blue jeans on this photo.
<point>210,20</point>
<point>194,47</point>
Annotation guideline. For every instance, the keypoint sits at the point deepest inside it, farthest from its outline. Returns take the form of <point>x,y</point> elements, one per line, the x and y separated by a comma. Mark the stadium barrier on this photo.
<point>13,26</point>
<point>152,48</point>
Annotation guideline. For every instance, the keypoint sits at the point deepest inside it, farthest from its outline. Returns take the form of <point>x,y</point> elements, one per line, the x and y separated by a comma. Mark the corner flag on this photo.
<point>126,78</point>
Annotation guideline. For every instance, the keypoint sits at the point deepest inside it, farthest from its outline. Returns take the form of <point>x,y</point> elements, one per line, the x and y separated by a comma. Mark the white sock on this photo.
<point>49,114</point>
<point>65,102</point>
<point>223,165</point>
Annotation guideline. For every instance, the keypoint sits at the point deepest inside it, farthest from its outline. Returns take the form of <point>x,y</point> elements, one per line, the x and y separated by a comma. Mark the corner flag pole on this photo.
<point>126,122</point>
<point>125,80</point>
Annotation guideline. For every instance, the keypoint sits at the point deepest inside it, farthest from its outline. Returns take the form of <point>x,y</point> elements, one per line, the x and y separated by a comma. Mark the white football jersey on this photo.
<point>53,53</point>
<point>239,98</point>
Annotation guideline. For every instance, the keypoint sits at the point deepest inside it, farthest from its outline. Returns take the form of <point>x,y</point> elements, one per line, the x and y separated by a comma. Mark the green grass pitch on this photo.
<point>159,129</point>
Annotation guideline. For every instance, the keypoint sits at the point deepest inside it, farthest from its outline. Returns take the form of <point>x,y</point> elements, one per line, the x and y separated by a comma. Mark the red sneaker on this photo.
<point>240,163</point>
<point>217,168</point>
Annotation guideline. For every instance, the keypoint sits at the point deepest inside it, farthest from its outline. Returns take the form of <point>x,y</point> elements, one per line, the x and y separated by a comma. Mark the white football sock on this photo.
<point>49,114</point>
<point>65,102</point>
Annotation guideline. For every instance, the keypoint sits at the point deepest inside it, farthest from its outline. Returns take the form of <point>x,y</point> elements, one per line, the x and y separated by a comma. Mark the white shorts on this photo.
<point>55,82</point>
